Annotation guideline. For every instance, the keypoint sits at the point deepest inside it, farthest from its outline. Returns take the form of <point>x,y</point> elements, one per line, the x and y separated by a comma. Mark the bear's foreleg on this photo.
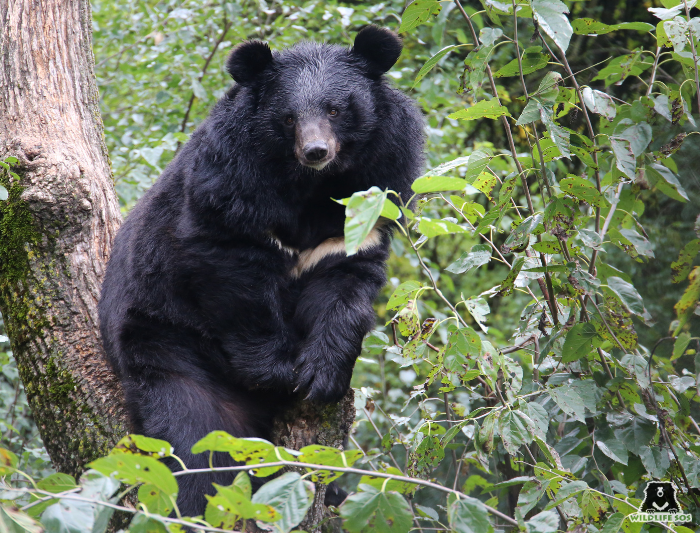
<point>333,314</point>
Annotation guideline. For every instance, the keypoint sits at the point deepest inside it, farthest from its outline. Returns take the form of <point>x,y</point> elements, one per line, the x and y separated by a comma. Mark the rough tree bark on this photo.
<point>57,226</point>
<point>56,230</point>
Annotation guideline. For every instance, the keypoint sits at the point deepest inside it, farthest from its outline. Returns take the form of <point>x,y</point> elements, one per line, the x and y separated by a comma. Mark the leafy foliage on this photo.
<point>536,357</point>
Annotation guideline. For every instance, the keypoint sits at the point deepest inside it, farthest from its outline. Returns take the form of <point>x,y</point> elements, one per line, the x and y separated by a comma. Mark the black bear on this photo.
<point>660,497</point>
<point>228,289</point>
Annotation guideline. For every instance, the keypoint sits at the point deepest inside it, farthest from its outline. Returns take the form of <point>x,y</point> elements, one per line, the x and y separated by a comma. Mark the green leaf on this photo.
<point>467,515</point>
<point>533,59</point>
<point>629,296</point>
<point>449,165</point>
<point>551,18</point>
<point>56,483</point>
<point>8,462</point>
<point>655,460</point>
<point>587,26</point>
<point>476,164</point>
<point>613,523</point>
<point>593,505</point>
<point>519,238</point>
<point>689,300</point>
<point>507,285</point>
<point>569,400</point>
<point>72,516</point>
<point>327,456</point>
<point>666,181</point>
<point>134,469</point>
<point>583,190</point>
<point>155,500</point>
<point>638,434</point>
<point>599,102</point>
<point>139,443</point>
<point>230,504</point>
<point>391,485</point>
<point>515,429</point>
<point>15,521</point>
<point>428,184</point>
<point>579,342</point>
<point>478,308</point>
<point>485,183</point>
<point>614,449</point>
<point>374,511</point>
<point>361,214</point>
<point>480,254</point>
<point>290,496</point>
<point>430,63</point>
<point>418,12</point>
<point>680,345</point>
<point>681,267</point>
<point>482,109</point>
<point>433,228</point>
<point>544,522</point>
<point>403,294</point>
<point>142,523</point>
<point>623,66</point>
<point>531,493</point>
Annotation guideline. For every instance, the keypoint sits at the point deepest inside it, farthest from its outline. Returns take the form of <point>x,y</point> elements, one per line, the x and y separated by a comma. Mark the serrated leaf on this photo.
<point>613,523</point>
<point>392,485</point>
<point>588,26</point>
<point>430,63</point>
<point>614,449</point>
<point>137,469</point>
<point>583,190</point>
<point>467,515</point>
<point>666,181</point>
<point>361,214</point>
<point>290,495</point>
<point>482,109</point>
<point>579,342</point>
<point>594,505</point>
<point>433,228</point>
<point>628,295</point>
<point>569,401</point>
<point>418,12</point>
<point>485,183</point>
<point>155,500</point>
<point>403,293</point>
<point>689,300</point>
<point>515,429</point>
<point>371,510</point>
<point>480,254</point>
<point>507,285</point>
<point>655,460</point>
<point>533,59</point>
<point>428,184</point>
<point>550,14</point>
<point>681,267</point>
<point>599,102</point>
<point>544,522</point>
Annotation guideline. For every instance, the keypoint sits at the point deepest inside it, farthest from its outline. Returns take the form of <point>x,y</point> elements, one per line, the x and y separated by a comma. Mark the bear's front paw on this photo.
<point>321,383</point>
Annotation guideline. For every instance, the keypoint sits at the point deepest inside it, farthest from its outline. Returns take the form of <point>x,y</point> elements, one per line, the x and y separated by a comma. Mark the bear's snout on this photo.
<point>315,144</point>
<point>316,150</point>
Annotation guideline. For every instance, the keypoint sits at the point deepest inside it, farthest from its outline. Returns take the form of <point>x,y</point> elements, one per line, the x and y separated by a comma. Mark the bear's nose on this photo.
<point>316,150</point>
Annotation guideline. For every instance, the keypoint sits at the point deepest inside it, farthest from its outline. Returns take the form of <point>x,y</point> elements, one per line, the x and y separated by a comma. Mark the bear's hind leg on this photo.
<point>182,410</point>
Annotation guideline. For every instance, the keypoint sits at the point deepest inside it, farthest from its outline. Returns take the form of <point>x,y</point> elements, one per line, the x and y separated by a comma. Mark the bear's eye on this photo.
<point>289,120</point>
<point>333,112</point>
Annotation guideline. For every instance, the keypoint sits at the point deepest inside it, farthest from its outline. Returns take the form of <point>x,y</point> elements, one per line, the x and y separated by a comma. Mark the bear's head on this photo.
<point>660,497</point>
<point>316,105</point>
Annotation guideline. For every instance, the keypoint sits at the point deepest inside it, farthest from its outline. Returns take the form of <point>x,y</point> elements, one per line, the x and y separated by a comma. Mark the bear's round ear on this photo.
<point>248,60</point>
<point>379,46</point>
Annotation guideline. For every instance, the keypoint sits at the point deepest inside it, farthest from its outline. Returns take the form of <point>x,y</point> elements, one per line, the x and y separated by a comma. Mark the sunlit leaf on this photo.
<point>418,12</point>
<point>482,109</point>
<point>550,14</point>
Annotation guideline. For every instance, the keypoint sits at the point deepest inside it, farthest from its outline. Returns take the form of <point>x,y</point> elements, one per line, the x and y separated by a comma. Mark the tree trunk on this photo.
<point>56,231</point>
<point>57,226</point>
<point>304,424</point>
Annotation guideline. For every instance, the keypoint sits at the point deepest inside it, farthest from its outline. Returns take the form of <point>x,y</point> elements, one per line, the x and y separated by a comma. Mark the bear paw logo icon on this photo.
<point>660,497</point>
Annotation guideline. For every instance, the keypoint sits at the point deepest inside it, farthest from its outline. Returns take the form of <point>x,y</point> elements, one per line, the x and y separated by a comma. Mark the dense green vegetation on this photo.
<point>536,359</point>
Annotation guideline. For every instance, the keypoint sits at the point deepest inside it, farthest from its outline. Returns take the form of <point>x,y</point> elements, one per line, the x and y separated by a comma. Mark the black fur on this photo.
<point>200,316</point>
